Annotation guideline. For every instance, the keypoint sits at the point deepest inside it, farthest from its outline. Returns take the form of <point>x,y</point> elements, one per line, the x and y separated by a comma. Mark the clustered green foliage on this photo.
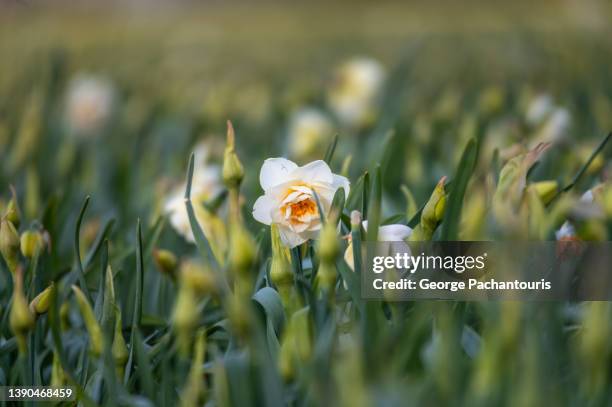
<point>97,291</point>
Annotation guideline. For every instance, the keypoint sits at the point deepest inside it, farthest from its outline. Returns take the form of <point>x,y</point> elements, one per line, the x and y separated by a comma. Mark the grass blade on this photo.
<point>201,241</point>
<point>331,148</point>
<point>137,315</point>
<point>452,217</point>
<point>77,251</point>
<point>375,206</point>
<point>586,165</point>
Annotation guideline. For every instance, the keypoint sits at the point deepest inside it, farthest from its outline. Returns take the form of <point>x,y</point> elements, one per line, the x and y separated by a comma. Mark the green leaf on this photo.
<point>375,207</point>
<point>356,194</point>
<point>586,165</point>
<point>411,206</point>
<point>319,206</point>
<point>452,216</point>
<point>100,296</point>
<point>144,370</point>
<point>137,314</point>
<point>352,281</point>
<point>331,148</point>
<point>337,205</point>
<point>394,219</point>
<point>95,247</point>
<point>77,251</point>
<point>272,306</point>
<point>201,241</point>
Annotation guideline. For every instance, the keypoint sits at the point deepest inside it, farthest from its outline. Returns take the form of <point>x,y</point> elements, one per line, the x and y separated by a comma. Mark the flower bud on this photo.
<point>328,250</point>
<point>166,261</point>
<point>64,313</point>
<point>185,316</point>
<point>119,349</point>
<point>197,278</point>
<point>13,214</point>
<point>432,214</point>
<point>58,378</point>
<point>21,320</point>
<point>233,172</point>
<point>194,388</point>
<point>545,190</point>
<point>40,304</point>
<point>296,344</point>
<point>96,339</point>
<point>280,267</point>
<point>9,244</point>
<point>328,246</point>
<point>32,243</point>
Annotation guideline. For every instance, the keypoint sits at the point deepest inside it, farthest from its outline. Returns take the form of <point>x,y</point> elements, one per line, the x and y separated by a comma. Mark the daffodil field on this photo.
<point>186,197</point>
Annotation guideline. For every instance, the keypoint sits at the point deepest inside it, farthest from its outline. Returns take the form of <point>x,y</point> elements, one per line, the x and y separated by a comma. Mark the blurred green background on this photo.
<point>165,78</point>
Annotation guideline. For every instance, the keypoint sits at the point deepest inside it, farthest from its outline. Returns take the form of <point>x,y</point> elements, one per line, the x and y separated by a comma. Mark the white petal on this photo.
<point>262,209</point>
<point>275,171</point>
<point>393,233</point>
<point>587,196</point>
<point>290,238</point>
<point>316,171</point>
<point>342,182</point>
<point>302,189</point>
<point>390,233</point>
<point>566,231</point>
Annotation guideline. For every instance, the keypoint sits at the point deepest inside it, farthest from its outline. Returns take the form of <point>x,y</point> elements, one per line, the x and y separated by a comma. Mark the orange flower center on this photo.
<point>296,211</point>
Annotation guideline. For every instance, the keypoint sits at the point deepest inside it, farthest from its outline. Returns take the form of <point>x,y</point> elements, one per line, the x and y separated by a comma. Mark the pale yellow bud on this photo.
<point>21,319</point>
<point>119,348</point>
<point>166,261</point>
<point>58,378</point>
<point>233,172</point>
<point>194,390</point>
<point>328,246</point>
<point>12,213</point>
<point>96,338</point>
<point>9,244</point>
<point>328,250</point>
<point>40,304</point>
<point>197,278</point>
<point>432,213</point>
<point>545,190</point>
<point>280,267</point>
<point>32,243</point>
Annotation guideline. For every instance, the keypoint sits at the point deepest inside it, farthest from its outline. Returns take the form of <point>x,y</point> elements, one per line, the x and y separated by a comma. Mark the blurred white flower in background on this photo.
<point>309,131</point>
<point>355,93</point>
<point>586,208</point>
<point>289,197</point>
<point>551,122</point>
<point>395,233</point>
<point>206,184</point>
<point>538,109</point>
<point>89,103</point>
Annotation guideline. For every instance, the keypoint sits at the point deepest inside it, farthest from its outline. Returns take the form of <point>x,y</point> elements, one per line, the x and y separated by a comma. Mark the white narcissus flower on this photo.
<point>309,129</point>
<point>206,184</point>
<point>89,104</point>
<point>395,233</point>
<point>289,197</point>
<point>356,91</point>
